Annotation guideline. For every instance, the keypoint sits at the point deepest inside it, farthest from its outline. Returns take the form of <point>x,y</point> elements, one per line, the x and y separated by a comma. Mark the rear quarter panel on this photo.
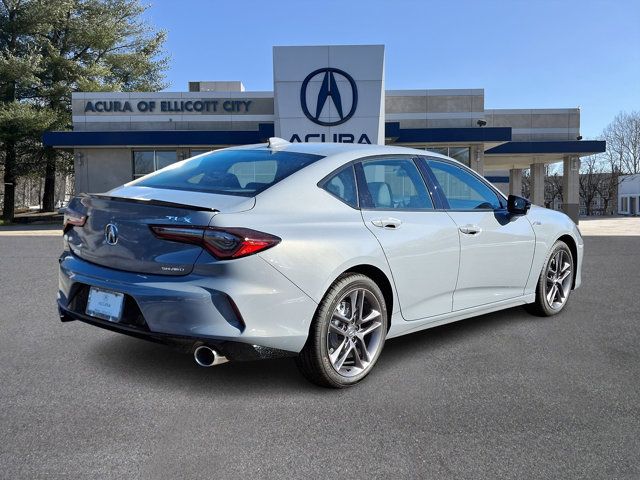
<point>322,237</point>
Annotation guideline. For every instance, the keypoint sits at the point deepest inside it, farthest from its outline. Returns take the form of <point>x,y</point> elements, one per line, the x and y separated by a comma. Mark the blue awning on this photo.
<point>446,135</point>
<point>575,147</point>
<point>158,138</point>
<point>266,130</point>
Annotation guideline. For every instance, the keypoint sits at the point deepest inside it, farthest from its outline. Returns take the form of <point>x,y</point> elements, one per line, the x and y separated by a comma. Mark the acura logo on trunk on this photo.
<point>329,90</point>
<point>111,234</point>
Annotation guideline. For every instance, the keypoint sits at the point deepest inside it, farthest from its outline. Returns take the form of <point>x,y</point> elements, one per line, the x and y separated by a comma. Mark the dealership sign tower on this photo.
<point>329,93</point>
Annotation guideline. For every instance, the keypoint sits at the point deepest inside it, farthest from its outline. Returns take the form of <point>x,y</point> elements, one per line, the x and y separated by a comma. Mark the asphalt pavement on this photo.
<point>505,395</point>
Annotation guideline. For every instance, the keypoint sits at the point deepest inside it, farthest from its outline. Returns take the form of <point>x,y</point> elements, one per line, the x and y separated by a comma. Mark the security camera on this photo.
<point>481,123</point>
<point>579,137</point>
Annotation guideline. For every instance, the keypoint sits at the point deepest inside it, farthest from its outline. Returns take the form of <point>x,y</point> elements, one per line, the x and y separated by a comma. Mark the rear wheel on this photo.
<point>555,282</point>
<point>347,333</point>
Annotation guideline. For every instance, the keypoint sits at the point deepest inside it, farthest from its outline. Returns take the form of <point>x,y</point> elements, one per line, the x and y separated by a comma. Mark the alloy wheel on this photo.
<point>558,280</point>
<point>355,334</point>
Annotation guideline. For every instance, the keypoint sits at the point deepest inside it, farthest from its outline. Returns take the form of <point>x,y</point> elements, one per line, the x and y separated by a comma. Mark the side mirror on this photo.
<point>518,205</point>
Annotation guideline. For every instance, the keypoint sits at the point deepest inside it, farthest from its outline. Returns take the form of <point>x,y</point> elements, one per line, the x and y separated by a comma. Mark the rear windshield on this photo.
<point>229,172</point>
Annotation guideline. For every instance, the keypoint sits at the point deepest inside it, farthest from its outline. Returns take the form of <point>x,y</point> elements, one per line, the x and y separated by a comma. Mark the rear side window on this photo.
<point>395,184</point>
<point>229,172</point>
<point>343,186</point>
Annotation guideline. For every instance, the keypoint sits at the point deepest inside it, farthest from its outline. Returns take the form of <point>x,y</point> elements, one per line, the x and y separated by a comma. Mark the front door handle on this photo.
<point>389,223</point>
<point>470,229</point>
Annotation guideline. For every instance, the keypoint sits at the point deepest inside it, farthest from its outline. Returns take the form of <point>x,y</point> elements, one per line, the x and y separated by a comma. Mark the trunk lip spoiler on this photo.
<point>150,201</point>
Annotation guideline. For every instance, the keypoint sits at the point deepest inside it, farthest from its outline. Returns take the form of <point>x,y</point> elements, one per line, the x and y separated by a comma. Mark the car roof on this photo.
<point>327,149</point>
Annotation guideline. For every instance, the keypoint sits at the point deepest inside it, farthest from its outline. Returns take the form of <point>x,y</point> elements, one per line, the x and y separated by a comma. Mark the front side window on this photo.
<point>343,186</point>
<point>229,172</point>
<point>394,184</point>
<point>463,190</point>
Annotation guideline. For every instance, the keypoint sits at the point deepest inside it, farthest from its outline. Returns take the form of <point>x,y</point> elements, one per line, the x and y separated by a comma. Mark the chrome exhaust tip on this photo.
<point>207,357</point>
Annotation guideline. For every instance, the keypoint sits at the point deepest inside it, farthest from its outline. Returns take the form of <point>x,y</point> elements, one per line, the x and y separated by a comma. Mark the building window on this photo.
<point>440,150</point>
<point>624,205</point>
<point>198,151</point>
<point>147,161</point>
<point>462,154</point>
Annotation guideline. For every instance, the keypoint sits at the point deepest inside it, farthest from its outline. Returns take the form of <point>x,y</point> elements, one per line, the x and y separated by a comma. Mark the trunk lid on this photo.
<point>117,231</point>
<point>193,199</point>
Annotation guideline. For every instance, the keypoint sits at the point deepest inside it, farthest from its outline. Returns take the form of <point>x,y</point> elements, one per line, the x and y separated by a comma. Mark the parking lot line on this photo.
<point>30,233</point>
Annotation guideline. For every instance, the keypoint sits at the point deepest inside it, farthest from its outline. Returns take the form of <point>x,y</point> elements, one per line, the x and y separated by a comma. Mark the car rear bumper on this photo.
<point>234,351</point>
<point>251,304</point>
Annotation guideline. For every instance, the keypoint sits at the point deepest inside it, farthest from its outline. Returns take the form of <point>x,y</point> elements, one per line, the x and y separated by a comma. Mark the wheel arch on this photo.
<point>381,279</point>
<point>571,243</point>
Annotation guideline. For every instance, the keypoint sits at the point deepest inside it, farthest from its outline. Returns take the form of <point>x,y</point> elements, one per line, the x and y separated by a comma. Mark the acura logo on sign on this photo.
<point>329,91</point>
<point>111,234</point>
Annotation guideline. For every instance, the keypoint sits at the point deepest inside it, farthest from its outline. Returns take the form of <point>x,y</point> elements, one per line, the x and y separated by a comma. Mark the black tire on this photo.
<point>542,306</point>
<point>314,361</point>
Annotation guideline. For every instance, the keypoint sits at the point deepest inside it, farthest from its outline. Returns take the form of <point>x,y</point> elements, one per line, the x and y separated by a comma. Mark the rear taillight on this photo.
<point>222,243</point>
<point>73,218</point>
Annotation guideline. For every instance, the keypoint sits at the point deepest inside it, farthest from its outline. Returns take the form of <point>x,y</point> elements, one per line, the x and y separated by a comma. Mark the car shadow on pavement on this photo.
<point>450,334</point>
<point>149,363</point>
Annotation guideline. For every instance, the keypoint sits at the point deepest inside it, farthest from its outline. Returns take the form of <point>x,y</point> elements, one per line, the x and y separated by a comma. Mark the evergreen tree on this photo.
<point>50,49</point>
<point>21,118</point>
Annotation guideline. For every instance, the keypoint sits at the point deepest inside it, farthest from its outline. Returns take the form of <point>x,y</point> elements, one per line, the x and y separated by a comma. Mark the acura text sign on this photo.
<point>329,93</point>
<point>184,110</point>
<point>167,106</point>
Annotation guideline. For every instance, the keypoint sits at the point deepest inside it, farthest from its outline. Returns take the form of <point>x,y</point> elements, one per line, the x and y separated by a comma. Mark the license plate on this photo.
<point>105,304</point>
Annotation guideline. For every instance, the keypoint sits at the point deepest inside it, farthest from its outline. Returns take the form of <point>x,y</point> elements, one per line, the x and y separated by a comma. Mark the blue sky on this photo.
<point>525,54</point>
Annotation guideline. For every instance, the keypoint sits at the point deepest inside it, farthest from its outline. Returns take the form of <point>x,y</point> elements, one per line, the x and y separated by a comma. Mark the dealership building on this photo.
<point>629,194</point>
<point>321,93</point>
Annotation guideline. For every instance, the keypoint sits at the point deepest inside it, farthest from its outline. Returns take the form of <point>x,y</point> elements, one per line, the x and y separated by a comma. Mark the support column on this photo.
<point>477,159</point>
<point>537,184</point>
<point>515,182</point>
<point>571,187</point>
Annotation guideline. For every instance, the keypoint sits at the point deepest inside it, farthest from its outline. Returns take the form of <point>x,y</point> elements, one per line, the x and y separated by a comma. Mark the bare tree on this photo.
<point>526,183</point>
<point>608,189</point>
<point>591,179</point>
<point>623,142</point>
<point>552,185</point>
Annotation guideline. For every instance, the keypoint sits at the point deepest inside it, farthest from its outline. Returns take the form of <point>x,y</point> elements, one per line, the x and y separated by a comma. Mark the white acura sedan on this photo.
<point>321,251</point>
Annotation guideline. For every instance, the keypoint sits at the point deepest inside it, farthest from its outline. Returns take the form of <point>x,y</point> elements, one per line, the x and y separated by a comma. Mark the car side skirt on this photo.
<point>401,327</point>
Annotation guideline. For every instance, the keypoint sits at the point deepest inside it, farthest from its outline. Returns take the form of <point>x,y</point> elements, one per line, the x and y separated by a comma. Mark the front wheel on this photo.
<point>555,282</point>
<point>347,333</point>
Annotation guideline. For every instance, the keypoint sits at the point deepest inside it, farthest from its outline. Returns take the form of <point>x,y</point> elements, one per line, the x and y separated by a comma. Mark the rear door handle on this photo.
<point>470,229</point>
<point>389,223</point>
